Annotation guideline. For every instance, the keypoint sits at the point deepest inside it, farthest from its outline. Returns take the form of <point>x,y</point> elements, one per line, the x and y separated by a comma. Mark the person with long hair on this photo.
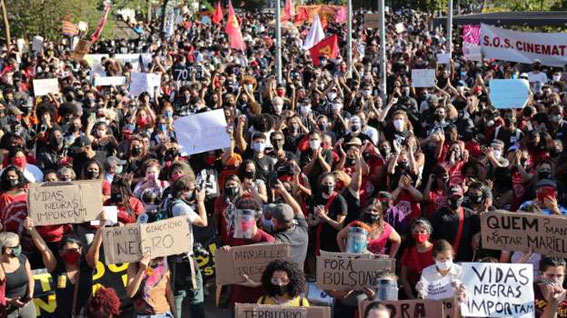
<point>225,206</point>
<point>13,203</point>
<point>92,170</point>
<point>150,189</point>
<point>417,256</point>
<point>284,284</point>
<point>129,207</point>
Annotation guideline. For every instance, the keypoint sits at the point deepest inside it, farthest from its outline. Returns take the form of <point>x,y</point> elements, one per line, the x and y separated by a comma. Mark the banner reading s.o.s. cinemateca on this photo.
<point>523,47</point>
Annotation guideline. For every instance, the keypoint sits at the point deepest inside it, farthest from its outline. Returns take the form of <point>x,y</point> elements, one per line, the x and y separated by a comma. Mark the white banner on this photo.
<point>42,87</point>
<point>523,47</point>
<point>202,132</point>
<point>109,80</point>
<point>498,290</point>
<point>144,82</point>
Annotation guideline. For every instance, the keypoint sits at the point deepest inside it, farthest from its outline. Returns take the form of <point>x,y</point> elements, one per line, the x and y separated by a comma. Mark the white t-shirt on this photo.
<point>537,77</point>
<point>32,173</point>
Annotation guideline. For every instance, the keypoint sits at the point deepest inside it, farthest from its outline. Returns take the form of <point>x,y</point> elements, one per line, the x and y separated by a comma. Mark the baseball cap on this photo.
<point>115,161</point>
<point>546,183</point>
<point>282,212</point>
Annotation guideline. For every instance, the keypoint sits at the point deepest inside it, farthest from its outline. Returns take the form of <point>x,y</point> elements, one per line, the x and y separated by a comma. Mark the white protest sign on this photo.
<point>109,80</point>
<point>440,289</point>
<point>111,213</point>
<point>523,47</point>
<point>202,132</point>
<point>443,58</point>
<point>423,77</point>
<point>43,87</point>
<point>37,43</point>
<point>22,46</point>
<point>144,82</point>
<point>400,27</point>
<point>509,93</point>
<point>498,290</point>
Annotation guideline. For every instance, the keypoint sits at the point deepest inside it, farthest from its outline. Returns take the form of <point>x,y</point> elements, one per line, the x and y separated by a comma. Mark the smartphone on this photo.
<point>272,179</point>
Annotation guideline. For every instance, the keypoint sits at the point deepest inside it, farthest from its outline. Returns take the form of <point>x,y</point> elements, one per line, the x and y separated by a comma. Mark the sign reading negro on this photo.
<point>341,271</point>
<point>58,203</point>
<point>272,311</point>
<point>249,259</point>
<point>129,243</point>
<point>544,234</point>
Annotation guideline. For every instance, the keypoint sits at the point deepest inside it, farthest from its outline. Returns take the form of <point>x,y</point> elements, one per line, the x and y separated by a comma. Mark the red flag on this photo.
<point>233,30</point>
<point>329,47</point>
<point>289,11</point>
<point>101,24</point>
<point>302,16</point>
<point>217,15</point>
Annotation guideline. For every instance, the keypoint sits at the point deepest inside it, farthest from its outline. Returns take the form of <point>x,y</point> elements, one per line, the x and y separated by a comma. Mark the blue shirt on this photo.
<point>544,210</point>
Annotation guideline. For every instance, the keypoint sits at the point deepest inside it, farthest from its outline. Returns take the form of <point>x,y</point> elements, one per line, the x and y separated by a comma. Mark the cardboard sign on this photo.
<point>249,259</point>
<point>498,290</point>
<point>37,44</point>
<point>129,243</point>
<point>372,20</point>
<point>423,77</point>
<point>144,82</point>
<point>509,93</point>
<point>81,50</point>
<point>109,80</point>
<point>202,132</point>
<point>544,234</point>
<point>341,271</point>
<point>42,87</point>
<point>51,204</point>
<point>258,311</point>
<point>418,308</point>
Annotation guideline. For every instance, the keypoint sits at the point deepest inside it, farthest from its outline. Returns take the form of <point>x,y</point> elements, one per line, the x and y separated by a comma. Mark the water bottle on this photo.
<point>386,289</point>
<point>356,241</point>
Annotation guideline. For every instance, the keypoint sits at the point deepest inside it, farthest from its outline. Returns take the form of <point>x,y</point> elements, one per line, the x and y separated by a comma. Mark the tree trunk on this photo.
<point>6,23</point>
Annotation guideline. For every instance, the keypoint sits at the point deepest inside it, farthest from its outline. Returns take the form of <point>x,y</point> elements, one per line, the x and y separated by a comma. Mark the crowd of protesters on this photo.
<point>313,159</point>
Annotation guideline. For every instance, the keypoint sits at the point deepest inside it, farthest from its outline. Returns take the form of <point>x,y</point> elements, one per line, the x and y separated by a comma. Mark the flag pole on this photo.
<point>450,29</point>
<point>382,53</point>
<point>6,24</point>
<point>349,37</point>
<point>278,42</point>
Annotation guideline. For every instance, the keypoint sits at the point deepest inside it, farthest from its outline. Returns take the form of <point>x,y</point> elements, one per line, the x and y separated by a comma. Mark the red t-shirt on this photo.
<point>416,262</point>
<point>243,294</point>
<point>406,204</point>
<point>54,233</point>
<point>136,206</point>
<point>437,199</point>
<point>13,212</point>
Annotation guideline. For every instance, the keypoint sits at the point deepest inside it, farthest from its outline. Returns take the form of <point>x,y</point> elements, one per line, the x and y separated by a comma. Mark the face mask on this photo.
<point>544,175</point>
<point>439,117</point>
<point>19,162</point>
<point>403,165</point>
<point>556,78</point>
<point>349,162</point>
<point>354,128</point>
<point>231,191</point>
<point>305,110</point>
<point>556,118</point>
<point>280,290</point>
<point>384,152</point>
<point>475,199</point>
<point>314,144</point>
<point>258,146</point>
<point>136,151</point>
<point>13,183</point>
<point>372,218</point>
<point>249,174</point>
<point>322,127</point>
<point>497,153</point>
<point>399,124</point>
<point>278,108</point>
<point>17,251</point>
<point>327,189</point>
<point>91,175</point>
<point>420,238</point>
<point>331,95</point>
<point>444,266</point>
<point>57,142</point>
<point>455,203</point>
<point>116,197</point>
<point>118,169</point>
<point>71,257</point>
<point>246,225</point>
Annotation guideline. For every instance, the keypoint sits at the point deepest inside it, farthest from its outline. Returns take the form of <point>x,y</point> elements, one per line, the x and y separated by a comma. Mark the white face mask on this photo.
<point>278,108</point>
<point>497,153</point>
<point>556,78</point>
<point>444,266</point>
<point>366,93</point>
<point>304,110</point>
<point>332,95</point>
<point>314,144</point>
<point>258,146</point>
<point>399,124</point>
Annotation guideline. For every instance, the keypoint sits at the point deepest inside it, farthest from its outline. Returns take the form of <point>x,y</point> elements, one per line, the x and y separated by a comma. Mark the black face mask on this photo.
<point>327,189</point>
<point>278,145</point>
<point>136,151</point>
<point>349,162</point>
<point>455,203</point>
<point>371,218</point>
<point>438,117</point>
<point>57,142</point>
<point>92,175</point>
<point>13,183</point>
<point>322,127</point>
<point>170,154</point>
<point>403,165</point>
<point>384,152</point>
<point>544,175</point>
<point>280,290</point>
<point>74,128</point>
<point>475,199</point>
<point>116,197</point>
<point>231,191</point>
<point>249,174</point>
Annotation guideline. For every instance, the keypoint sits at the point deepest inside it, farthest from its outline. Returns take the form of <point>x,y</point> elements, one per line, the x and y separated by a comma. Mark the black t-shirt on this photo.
<point>65,290</point>
<point>446,225</point>
<point>353,206</point>
<point>328,236</point>
<point>297,238</point>
<point>317,170</point>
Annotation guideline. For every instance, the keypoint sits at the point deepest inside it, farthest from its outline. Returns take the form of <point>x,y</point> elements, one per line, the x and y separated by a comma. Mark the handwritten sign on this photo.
<point>418,308</point>
<point>42,87</point>
<point>498,290</point>
<point>249,259</point>
<point>81,50</point>
<point>51,204</point>
<point>423,77</point>
<point>258,311</point>
<point>202,132</point>
<point>372,20</point>
<point>128,243</point>
<point>144,82</point>
<point>509,93</point>
<point>109,80</point>
<point>342,271</point>
<point>544,234</point>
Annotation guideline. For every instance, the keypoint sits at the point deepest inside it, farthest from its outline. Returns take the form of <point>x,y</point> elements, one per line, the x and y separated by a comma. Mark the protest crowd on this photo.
<point>179,161</point>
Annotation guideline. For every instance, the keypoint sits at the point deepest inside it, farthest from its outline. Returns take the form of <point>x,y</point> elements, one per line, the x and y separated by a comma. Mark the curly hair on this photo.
<point>103,303</point>
<point>296,284</point>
